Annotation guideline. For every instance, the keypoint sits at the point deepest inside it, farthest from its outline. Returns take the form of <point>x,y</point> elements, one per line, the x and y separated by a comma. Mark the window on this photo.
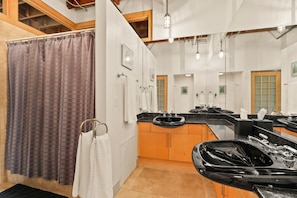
<point>162,93</point>
<point>266,92</point>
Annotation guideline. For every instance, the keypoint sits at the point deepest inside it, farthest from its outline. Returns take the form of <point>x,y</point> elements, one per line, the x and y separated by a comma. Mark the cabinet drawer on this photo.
<point>144,126</point>
<point>180,129</point>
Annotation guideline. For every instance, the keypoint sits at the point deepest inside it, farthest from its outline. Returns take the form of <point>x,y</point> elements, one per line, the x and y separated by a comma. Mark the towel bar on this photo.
<point>95,123</point>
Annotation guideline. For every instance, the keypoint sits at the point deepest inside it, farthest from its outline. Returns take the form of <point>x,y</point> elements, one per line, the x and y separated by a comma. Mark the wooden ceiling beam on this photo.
<point>42,7</point>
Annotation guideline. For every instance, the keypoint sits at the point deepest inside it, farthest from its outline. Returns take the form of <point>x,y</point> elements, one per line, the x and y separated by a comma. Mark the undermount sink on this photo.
<point>242,164</point>
<point>169,120</point>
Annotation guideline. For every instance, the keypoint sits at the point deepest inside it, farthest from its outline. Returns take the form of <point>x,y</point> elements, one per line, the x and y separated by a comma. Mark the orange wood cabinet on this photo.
<point>169,143</point>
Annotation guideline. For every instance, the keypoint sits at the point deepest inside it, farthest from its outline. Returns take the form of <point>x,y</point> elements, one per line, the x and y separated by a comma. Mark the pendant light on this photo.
<point>221,52</point>
<point>197,52</point>
<point>170,38</point>
<point>167,17</point>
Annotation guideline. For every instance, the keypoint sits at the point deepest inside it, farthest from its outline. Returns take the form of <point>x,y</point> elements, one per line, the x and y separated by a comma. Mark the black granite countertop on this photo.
<point>224,125</point>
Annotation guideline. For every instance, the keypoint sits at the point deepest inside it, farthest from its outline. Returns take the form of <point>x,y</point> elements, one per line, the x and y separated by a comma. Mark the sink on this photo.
<point>169,120</point>
<point>242,164</point>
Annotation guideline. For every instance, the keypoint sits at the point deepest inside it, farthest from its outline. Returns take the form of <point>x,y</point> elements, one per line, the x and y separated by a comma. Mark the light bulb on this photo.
<point>281,28</point>
<point>170,39</point>
<point>221,54</point>
<point>167,20</point>
<point>197,55</point>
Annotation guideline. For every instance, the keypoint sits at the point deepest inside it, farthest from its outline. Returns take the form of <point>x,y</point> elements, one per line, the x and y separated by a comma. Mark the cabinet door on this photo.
<point>249,194</point>
<point>181,146</point>
<point>210,135</point>
<point>153,145</point>
<point>144,126</point>
<point>231,192</point>
<point>198,129</point>
<point>219,189</point>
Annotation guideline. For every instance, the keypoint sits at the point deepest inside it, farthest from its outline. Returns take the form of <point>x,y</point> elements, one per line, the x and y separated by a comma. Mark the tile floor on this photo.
<point>163,182</point>
<point>159,179</point>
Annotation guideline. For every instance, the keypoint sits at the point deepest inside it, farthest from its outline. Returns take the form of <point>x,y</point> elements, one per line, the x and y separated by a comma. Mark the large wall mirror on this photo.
<point>229,82</point>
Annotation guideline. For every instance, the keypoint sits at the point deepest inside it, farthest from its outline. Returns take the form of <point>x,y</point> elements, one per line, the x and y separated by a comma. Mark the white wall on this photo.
<point>112,30</point>
<point>289,82</point>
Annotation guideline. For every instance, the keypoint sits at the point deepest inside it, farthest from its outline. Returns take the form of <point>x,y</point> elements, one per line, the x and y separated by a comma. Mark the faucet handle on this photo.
<point>263,136</point>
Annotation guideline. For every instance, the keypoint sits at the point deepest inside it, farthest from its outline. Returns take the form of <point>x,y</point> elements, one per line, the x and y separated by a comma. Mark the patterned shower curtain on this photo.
<point>50,92</point>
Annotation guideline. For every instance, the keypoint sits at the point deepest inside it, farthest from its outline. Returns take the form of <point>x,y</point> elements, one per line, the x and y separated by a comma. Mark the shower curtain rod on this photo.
<point>49,35</point>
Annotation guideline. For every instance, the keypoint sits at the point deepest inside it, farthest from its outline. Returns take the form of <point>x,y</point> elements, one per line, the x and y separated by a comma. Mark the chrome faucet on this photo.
<point>264,141</point>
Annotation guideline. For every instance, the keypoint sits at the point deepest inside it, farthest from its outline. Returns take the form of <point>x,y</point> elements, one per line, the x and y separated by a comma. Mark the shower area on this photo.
<point>50,92</point>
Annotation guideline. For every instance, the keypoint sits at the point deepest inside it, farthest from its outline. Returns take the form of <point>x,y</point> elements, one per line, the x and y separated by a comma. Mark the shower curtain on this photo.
<point>50,92</point>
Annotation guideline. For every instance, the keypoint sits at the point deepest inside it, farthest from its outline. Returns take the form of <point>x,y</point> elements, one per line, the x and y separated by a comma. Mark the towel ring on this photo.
<point>95,123</point>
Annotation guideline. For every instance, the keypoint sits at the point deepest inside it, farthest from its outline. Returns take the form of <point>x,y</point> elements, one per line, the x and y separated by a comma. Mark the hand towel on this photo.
<point>100,181</point>
<point>82,165</point>
<point>130,101</point>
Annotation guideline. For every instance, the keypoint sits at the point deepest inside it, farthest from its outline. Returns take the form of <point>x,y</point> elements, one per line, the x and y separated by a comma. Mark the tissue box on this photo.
<point>243,128</point>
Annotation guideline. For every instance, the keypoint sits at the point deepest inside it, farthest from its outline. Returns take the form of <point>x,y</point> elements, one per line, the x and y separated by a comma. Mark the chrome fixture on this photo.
<point>167,17</point>
<point>287,153</point>
<point>264,141</point>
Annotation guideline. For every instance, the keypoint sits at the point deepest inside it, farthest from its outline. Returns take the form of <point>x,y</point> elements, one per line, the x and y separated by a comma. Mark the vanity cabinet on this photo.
<point>174,144</point>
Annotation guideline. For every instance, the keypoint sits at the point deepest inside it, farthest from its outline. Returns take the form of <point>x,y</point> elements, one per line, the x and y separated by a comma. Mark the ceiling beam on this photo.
<point>42,7</point>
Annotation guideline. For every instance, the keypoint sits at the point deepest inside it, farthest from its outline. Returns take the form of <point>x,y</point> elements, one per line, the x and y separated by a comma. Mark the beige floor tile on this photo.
<point>4,186</point>
<point>148,182</point>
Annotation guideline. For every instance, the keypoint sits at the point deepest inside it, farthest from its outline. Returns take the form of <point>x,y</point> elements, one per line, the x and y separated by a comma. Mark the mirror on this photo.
<point>250,45</point>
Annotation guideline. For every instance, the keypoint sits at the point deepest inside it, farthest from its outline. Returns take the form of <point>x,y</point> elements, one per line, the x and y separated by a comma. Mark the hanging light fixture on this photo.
<point>170,38</point>
<point>167,17</point>
<point>197,52</point>
<point>221,52</point>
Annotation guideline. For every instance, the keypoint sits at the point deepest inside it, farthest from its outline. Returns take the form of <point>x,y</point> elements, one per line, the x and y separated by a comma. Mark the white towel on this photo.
<point>130,101</point>
<point>100,183</point>
<point>82,165</point>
